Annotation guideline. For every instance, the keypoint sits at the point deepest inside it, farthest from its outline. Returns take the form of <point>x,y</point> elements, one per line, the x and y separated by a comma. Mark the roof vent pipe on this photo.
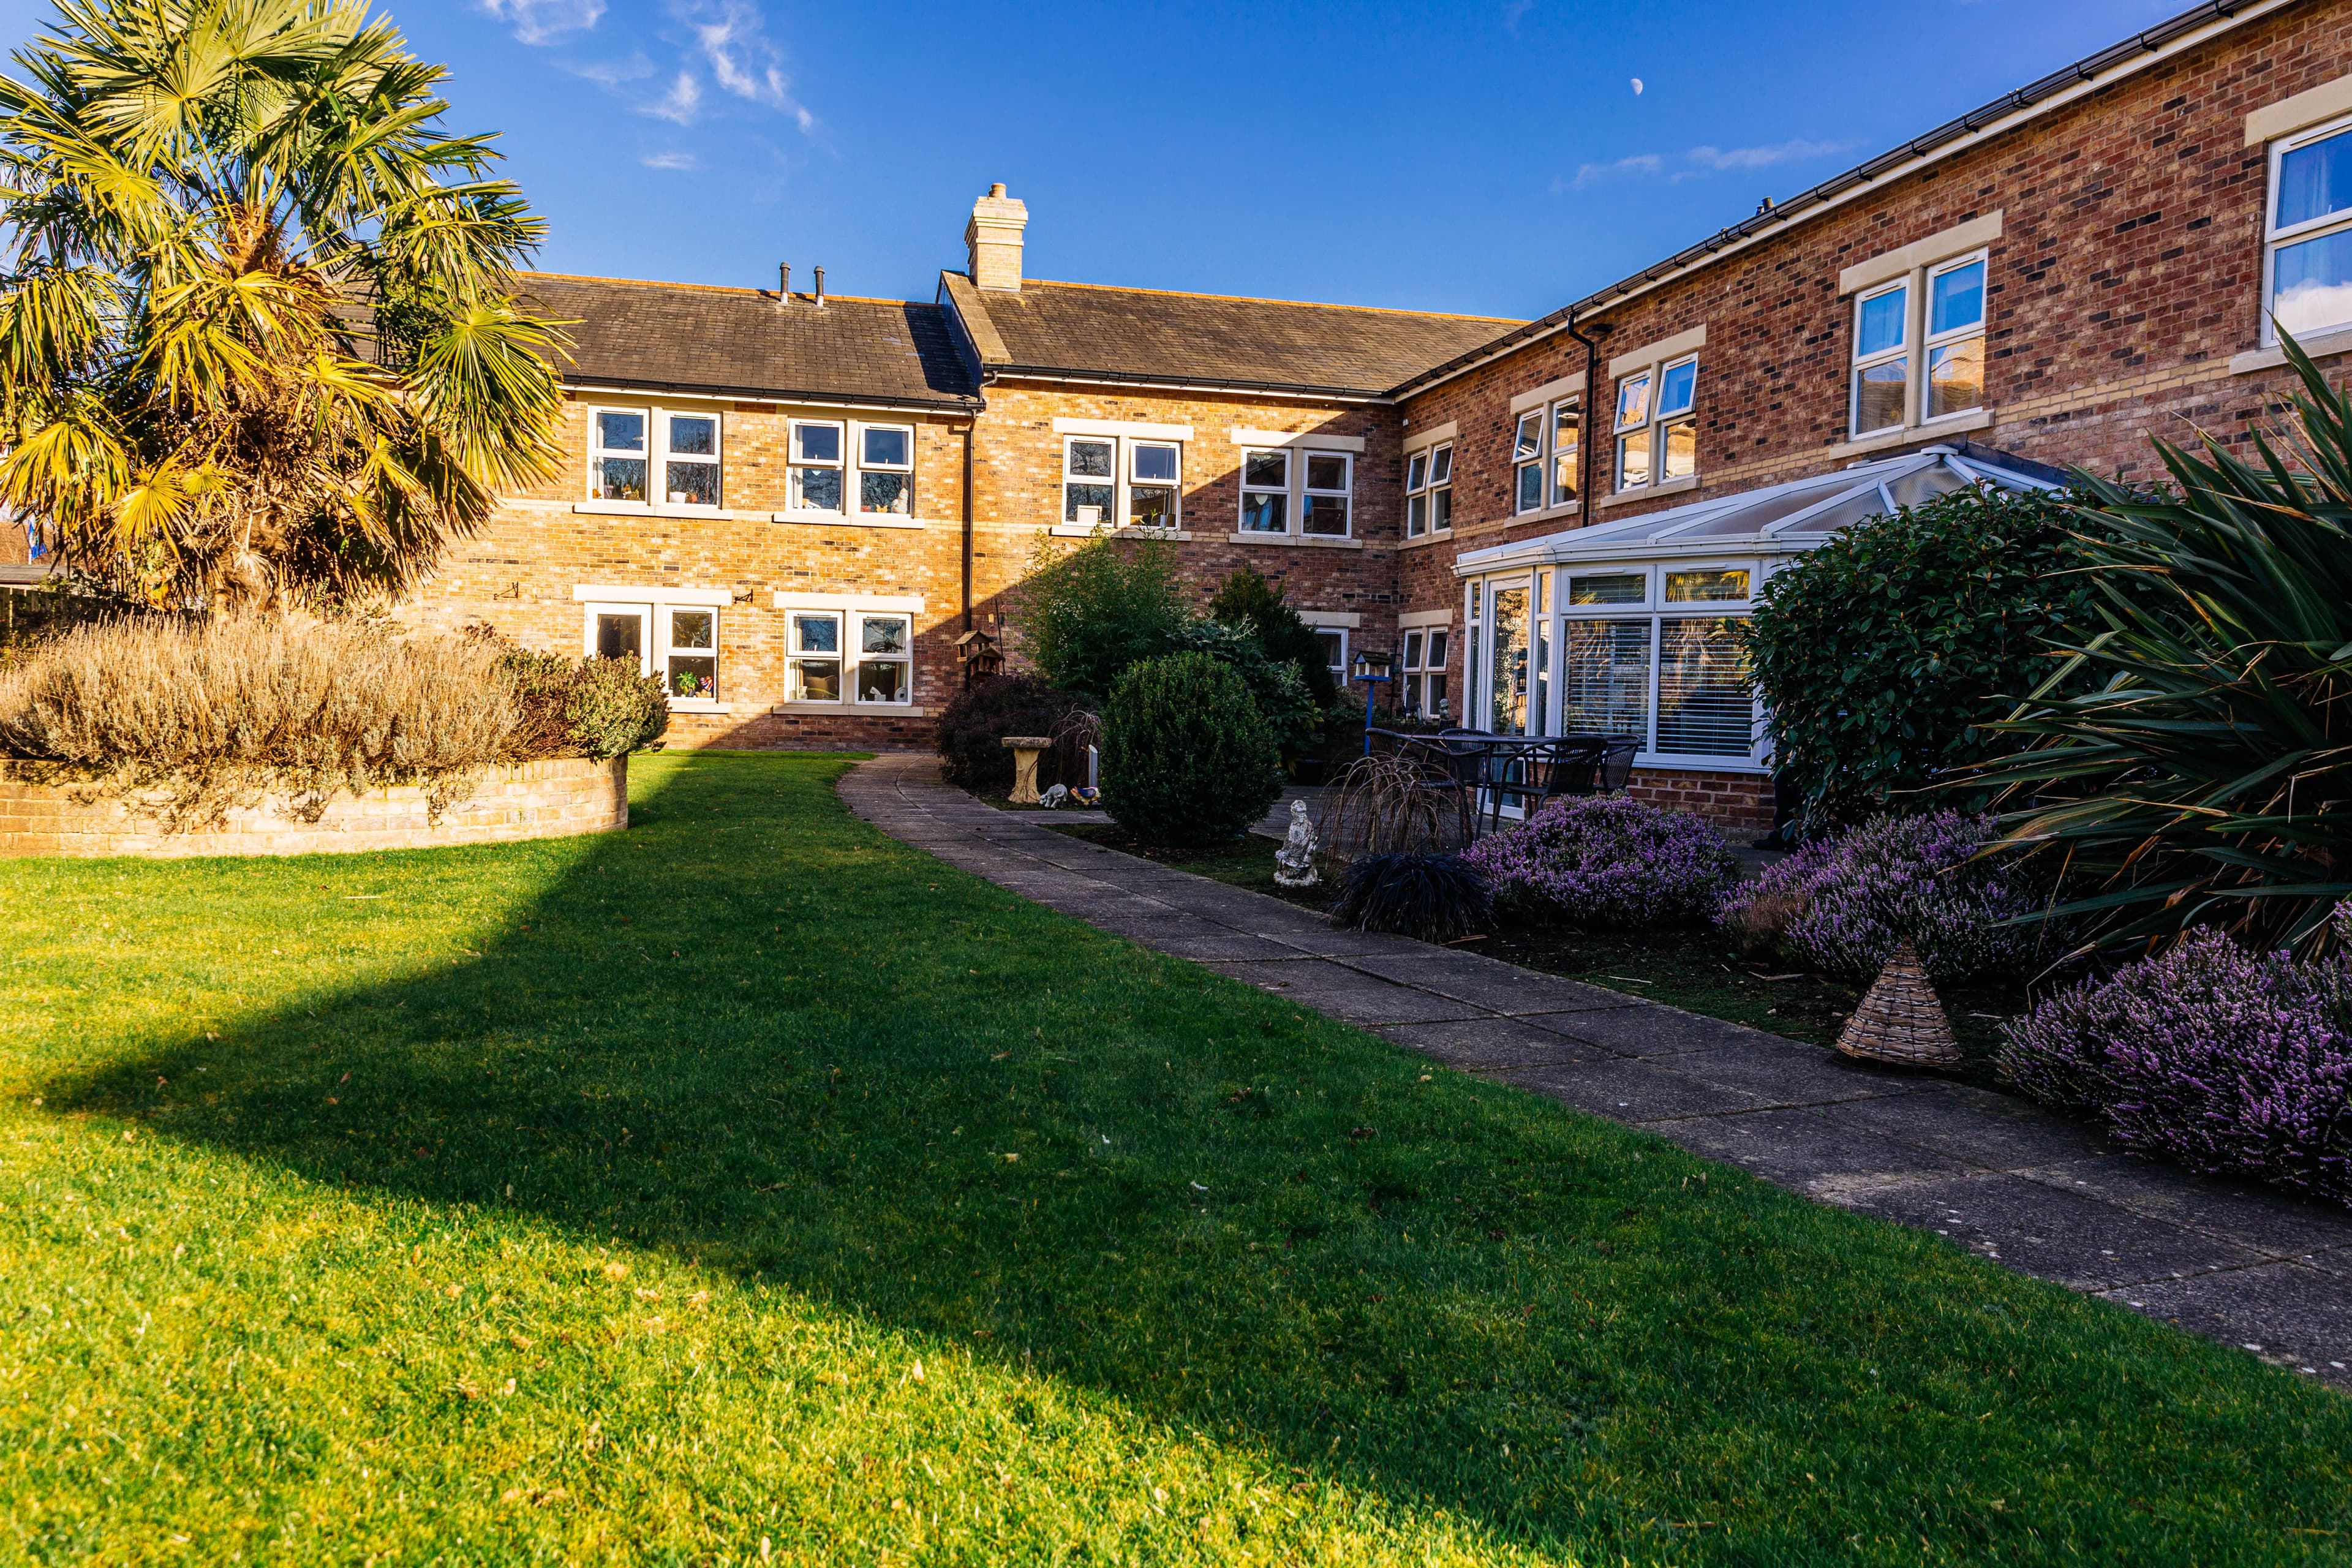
<point>820,286</point>
<point>783,282</point>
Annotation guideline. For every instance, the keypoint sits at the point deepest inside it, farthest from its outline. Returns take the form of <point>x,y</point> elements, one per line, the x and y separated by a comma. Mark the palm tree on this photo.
<point>259,340</point>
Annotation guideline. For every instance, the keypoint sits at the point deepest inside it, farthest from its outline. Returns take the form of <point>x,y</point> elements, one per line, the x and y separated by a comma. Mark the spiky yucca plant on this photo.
<point>259,343</point>
<point>2191,760</point>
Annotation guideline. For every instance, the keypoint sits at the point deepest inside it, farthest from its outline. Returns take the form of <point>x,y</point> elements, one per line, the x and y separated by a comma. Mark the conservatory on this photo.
<point>1626,627</point>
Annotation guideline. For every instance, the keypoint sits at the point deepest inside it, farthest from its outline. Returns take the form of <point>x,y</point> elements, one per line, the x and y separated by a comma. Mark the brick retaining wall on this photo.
<point>1739,803</point>
<point>534,800</point>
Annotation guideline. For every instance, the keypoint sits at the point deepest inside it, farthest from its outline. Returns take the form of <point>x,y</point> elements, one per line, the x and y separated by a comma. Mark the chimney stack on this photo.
<point>820,288</point>
<point>993,238</point>
<point>783,282</point>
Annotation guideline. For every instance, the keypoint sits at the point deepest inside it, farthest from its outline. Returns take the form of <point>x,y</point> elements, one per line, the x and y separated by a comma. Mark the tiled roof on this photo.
<point>740,342</point>
<point>1146,335</point>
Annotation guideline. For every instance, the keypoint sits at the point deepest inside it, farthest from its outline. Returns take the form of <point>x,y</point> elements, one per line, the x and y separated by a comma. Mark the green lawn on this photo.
<point>751,1186</point>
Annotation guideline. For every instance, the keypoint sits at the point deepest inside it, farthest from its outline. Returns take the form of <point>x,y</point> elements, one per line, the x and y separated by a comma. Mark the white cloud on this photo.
<point>612,73</point>
<point>733,38</point>
<point>543,21</point>
<point>1513,12</point>
<point>670,160</point>
<point>1639,163</point>
<point>1761,157</point>
<point>680,103</point>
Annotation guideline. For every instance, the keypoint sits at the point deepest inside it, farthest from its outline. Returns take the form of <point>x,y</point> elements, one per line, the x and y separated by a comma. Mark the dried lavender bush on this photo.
<point>185,720</point>
<point>2228,1061</point>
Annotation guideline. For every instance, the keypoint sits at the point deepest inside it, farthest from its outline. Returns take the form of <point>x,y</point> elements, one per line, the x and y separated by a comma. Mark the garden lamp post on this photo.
<point>1371,668</point>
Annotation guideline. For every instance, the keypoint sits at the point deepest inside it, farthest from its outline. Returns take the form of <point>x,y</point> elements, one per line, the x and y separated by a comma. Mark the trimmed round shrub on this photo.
<point>1186,758</point>
<point>1437,898</point>
<point>1607,862</point>
<point>1840,904</point>
<point>2228,1061</point>
<point>973,727</point>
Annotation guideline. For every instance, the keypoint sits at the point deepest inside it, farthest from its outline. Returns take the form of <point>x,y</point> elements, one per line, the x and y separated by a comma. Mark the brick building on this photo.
<point>793,505</point>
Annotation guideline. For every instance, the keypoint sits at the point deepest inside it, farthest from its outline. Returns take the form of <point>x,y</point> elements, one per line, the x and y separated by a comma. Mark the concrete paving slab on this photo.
<point>2080,1242</point>
<point>1472,1044</point>
<point>1641,1029</point>
<point>1996,1131</point>
<point>2269,1221</point>
<point>2286,1313</point>
<point>1811,1152</point>
<point>1625,1091</point>
<point>1787,1072</point>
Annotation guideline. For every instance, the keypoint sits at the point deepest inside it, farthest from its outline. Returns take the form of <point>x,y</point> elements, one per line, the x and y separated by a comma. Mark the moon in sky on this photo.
<point>1637,86</point>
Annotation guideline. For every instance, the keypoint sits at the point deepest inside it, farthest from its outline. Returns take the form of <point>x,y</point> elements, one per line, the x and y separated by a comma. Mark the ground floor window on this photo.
<point>677,643</point>
<point>1334,651</point>
<point>1421,685</point>
<point>828,652</point>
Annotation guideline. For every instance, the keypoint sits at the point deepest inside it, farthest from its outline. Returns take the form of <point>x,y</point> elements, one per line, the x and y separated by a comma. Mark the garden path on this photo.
<point>1997,1175</point>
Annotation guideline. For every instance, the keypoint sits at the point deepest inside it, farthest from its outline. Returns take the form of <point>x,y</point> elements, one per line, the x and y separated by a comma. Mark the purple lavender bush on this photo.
<point>1606,862</point>
<point>1840,904</point>
<point>2231,1062</point>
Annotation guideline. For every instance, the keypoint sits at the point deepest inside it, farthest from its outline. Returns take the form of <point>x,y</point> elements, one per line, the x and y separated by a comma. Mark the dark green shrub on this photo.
<point>1437,898</point>
<point>1279,690</point>
<point>1186,757</point>
<point>1085,615</point>
<point>1883,652</point>
<point>582,707</point>
<point>1249,603</point>
<point>973,727</point>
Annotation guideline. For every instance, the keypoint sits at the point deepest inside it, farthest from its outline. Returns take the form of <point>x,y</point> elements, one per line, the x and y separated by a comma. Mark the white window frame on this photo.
<point>1539,461</point>
<point>1287,490</point>
<point>863,465</point>
<point>1919,347</point>
<point>656,648</point>
<point>854,658</point>
<point>1340,670</point>
<point>657,456</point>
<point>1436,480</point>
<point>1653,611</point>
<point>2275,239</point>
<point>796,462</point>
<point>1419,662</point>
<point>1345,494</point>
<point>795,655</point>
<point>1657,422</point>
<point>1130,481</point>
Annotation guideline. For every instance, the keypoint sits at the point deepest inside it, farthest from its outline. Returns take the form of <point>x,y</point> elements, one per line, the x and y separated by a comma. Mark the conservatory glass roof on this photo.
<point>1780,520</point>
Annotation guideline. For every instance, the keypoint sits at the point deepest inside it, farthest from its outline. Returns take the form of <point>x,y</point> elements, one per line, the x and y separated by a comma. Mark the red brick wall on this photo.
<point>1739,803</point>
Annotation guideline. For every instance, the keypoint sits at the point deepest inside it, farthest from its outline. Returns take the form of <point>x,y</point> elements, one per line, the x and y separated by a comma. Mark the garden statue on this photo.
<point>1293,863</point>
<point>1053,799</point>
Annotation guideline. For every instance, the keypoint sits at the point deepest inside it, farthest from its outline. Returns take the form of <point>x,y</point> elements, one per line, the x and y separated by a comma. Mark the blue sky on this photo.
<point>1490,158</point>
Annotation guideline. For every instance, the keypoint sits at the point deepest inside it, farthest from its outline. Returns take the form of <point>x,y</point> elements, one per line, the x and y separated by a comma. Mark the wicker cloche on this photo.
<point>1900,1020</point>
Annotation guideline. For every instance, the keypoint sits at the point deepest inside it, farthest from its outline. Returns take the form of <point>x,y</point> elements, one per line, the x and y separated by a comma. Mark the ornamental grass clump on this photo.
<point>1607,862</point>
<point>1434,898</point>
<point>1840,905</point>
<point>2228,1061</point>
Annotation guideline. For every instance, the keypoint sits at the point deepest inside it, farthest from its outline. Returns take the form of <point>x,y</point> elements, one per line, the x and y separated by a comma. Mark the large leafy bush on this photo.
<point>2228,1061</point>
<point>1186,758</point>
<point>1277,688</point>
<point>1882,652</point>
<point>2200,771</point>
<point>1840,904</point>
<point>1085,615</point>
<point>1249,603</point>
<point>972,729</point>
<point>581,707</point>
<point>1607,862</point>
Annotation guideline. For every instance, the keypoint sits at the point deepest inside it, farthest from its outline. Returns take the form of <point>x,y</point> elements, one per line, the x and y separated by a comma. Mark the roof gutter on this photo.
<point>809,398</point>
<point>2004,113</point>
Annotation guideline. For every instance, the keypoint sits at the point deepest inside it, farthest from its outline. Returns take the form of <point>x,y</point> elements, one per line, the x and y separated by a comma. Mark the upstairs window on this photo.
<point>2309,253</point>
<point>1155,474</point>
<point>1657,425</point>
<point>1265,492</point>
<point>1323,509</point>
<point>885,471</point>
<point>616,457</point>
<point>1428,491</point>
<point>1544,446</point>
<point>1943,355</point>
<point>815,479</point>
<point>1090,481</point>
<point>637,454</point>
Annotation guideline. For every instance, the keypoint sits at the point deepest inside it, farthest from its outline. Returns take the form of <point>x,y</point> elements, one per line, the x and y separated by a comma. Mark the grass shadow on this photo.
<point>755,1034</point>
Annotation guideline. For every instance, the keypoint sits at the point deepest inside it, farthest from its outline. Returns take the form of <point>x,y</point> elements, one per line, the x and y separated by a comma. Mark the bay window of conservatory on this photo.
<point>1667,669</point>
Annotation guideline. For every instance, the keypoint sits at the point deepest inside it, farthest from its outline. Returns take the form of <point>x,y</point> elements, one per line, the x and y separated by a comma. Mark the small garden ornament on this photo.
<point>1026,750</point>
<point>1900,1020</point>
<point>1293,863</point>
